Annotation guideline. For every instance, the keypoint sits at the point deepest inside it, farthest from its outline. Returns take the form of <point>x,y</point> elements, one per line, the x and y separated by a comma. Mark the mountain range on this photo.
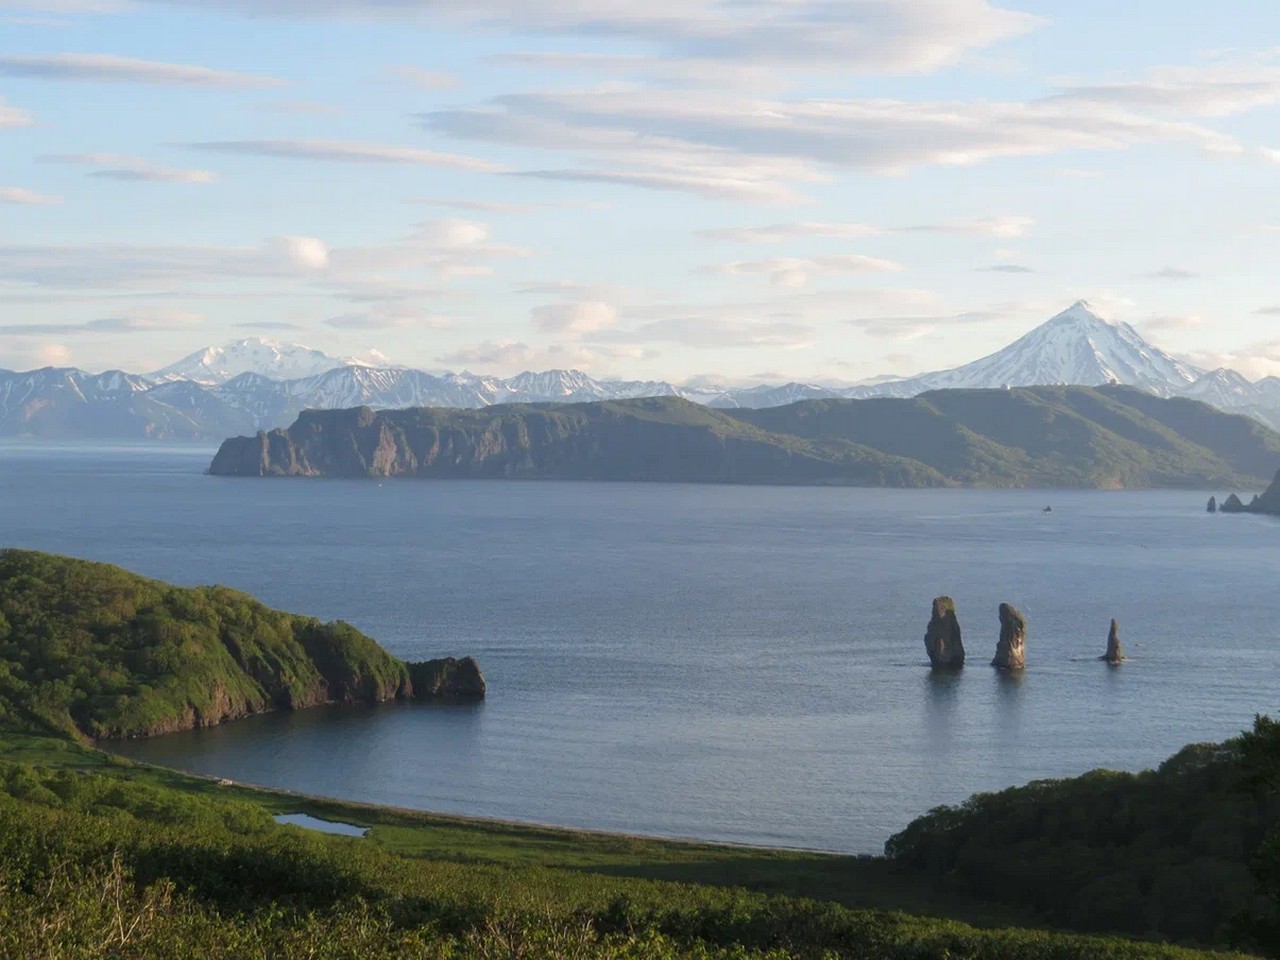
<point>254,384</point>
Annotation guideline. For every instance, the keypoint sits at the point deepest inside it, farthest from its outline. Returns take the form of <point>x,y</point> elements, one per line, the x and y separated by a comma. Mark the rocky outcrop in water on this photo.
<point>942,637</point>
<point>447,679</point>
<point>1213,505</point>
<point>1266,502</point>
<point>1011,650</point>
<point>1115,652</point>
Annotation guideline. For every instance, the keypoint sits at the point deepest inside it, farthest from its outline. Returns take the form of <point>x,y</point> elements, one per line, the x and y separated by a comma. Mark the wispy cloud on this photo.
<point>346,151</point>
<point>99,67</point>
<point>14,116</point>
<point>797,271</point>
<point>1005,227</point>
<point>424,79</point>
<point>146,322</point>
<point>1172,273</point>
<point>1006,268</point>
<point>851,35</point>
<point>23,197</point>
<point>112,166</point>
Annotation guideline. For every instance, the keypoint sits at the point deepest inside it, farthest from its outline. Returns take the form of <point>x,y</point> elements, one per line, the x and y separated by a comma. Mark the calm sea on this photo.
<point>728,663</point>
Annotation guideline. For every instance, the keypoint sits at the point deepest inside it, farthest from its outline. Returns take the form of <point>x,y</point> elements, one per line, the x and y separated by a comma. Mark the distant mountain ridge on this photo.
<point>257,384</point>
<point>1107,437</point>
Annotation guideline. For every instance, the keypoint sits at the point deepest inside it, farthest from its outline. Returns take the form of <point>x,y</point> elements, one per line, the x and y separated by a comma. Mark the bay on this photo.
<point>718,662</point>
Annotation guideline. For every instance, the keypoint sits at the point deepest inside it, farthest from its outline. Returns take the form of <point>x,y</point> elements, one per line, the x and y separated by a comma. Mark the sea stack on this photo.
<point>1213,504</point>
<point>1011,653</point>
<point>942,638</point>
<point>1115,652</point>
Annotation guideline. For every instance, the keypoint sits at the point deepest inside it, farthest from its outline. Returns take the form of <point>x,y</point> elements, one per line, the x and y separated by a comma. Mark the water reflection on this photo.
<point>941,694</point>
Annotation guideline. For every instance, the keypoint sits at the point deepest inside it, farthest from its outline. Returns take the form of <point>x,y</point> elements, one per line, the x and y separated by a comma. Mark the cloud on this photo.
<point>1006,268</point>
<point>14,116</point>
<point>312,108</point>
<point>1168,323</point>
<point>1172,273</point>
<point>512,356</point>
<point>447,248</point>
<point>112,166</point>
<point>848,35</point>
<point>268,325</point>
<point>756,150</point>
<point>709,331</point>
<point>98,67</point>
<point>1005,228</point>
<point>309,253</point>
<point>1268,311</point>
<point>1218,90</point>
<point>22,196</point>
<point>913,327</point>
<point>424,79</point>
<point>575,319</point>
<point>1255,360</point>
<point>797,271</point>
<point>344,151</point>
<point>388,320</point>
<point>708,184</point>
<point>781,232</point>
<point>145,322</point>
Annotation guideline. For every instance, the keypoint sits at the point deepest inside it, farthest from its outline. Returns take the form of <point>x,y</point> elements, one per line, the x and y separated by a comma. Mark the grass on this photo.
<point>861,882</point>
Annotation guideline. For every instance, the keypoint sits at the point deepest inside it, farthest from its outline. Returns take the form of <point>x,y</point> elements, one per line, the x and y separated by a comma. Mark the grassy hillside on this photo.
<point>1043,436</point>
<point>100,862</point>
<point>1027,437</point>
<point>91,650</point>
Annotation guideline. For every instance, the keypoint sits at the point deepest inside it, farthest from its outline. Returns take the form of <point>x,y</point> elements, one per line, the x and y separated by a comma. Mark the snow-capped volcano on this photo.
<point>268,358</point>
<point>1077,346</point>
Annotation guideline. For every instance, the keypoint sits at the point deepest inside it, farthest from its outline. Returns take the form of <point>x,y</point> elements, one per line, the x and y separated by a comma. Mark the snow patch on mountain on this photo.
<point>269,358</point>
<point>1076,346</point>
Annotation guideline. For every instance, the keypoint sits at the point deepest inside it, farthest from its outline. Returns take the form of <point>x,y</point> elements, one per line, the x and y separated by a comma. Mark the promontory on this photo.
<point>1106,437</point>
<point>94,651</point>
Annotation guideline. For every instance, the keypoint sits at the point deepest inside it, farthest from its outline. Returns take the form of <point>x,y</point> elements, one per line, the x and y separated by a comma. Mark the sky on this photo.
<point>731,190</point>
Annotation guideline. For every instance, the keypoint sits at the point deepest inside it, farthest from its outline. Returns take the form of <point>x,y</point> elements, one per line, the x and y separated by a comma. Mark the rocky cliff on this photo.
<point>1011,650</point>
<point>1030,437</point>
<point>1266,502</point>
<point>942,640</point>
<point>656,439</point>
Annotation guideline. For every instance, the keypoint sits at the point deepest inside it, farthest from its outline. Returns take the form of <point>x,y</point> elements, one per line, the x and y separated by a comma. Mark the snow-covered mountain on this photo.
<point>257,384</point>
<point>269,358</point>
<point>1077,346</point>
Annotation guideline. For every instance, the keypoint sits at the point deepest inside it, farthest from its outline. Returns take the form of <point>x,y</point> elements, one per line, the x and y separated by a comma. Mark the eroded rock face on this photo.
<point>1115,652</point>
<point>447,679</point>
<point>1011,650</point>
<point>942,638</point>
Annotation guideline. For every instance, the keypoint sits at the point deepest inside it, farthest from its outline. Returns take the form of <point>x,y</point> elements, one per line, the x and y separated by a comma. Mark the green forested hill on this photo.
<point>1043,436</point>
<point>1108,437</point>
<point>91,649</point>
<point>1171,851</point>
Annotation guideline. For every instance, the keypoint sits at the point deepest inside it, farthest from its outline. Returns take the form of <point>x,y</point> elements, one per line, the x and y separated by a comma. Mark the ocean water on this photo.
<point>727,663</point>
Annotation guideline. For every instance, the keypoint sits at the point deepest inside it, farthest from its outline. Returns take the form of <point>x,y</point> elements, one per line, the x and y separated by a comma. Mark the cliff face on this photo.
<point>90,650</point>
<point>1030,437</point>
<point>1266,502</point>
<point>658,439</point>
